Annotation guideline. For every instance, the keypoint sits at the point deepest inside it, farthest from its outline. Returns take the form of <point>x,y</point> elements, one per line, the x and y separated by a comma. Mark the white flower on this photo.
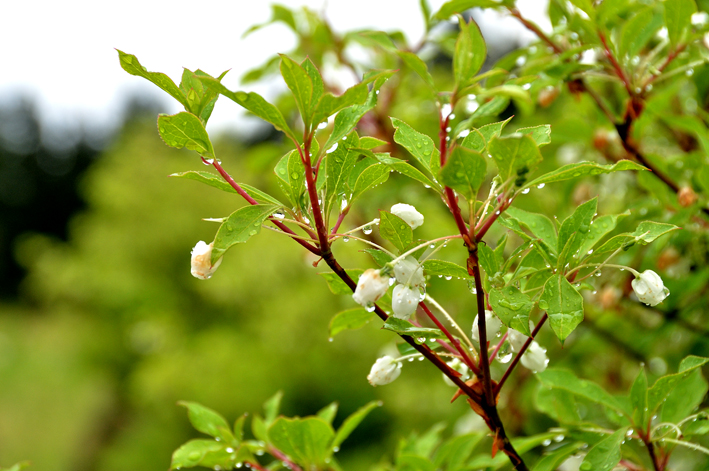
<point>458,366</point>
<point>384,371</point>
<point>516,339</point>
<point>535,358</point>
<point>408,213</point>
<point>649,288</point>
<point>492,326</point>
<point>409,272</point>
<point>370,287</point>
<point>202,267</point>
<point>404,301</point>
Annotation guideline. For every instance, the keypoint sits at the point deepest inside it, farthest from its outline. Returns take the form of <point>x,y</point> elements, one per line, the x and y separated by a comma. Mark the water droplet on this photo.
<point>689,72</point>
<point>590,251</point>
<point>504,358</point>
<point>207,161</point>
<point>558,438</point>
<point>525,191</point>
<point>322,125</point>
<point>367,229</point>
<point>279,215</point>
<point>370,308</point>
<point>253,232</point>
<point>546,442</point>
<point>332,149</point>
<point>330,339</point>
<point>448,278</point>
<point>229,450</point>
<point>345,239</point>
<point>243,96</point>
<point>541,185</point>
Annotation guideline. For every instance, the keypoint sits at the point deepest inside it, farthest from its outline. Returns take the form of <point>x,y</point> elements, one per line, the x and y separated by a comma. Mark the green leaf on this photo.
<point>330,104</point>
<point>538,224</point>
<point>666,384</point>
<point>585,6</point>
<point>369,142</point>
<point>559,404</point>
<point>454,452</point>
<point>347,119</point>
<point>470,53</point>
<point>407,170</point>
<point>130,64</point>
<point>207,453</point>
<point>564,306</point>
<point>217,181</point>
<point>578,223</point>
<point>459,6</point>
<point>638,399</point>
<point>553,460</point>
<point>600,226</point>
<point>566,380</point>
<point>185,130</point>
<point>239,227</point>
<point>512,307</point>
<point>515,155</point>
<point>416,64</point>
<point>272,406</point>
<point>338,166</point>
<point>201,100</point>
<point>208,421</point>
<point>370,177</point>
<point>487,260</point>
<point>317,81</point>
<point>419,145</point>
<point>291,176</point>
<point>637,31</point>
<point>541,134</point>
<point>678,14</point>
<point>380,258</point>
<point>395,230</point>
<point>351,422</point>
<point>255,103</point>
<point>350,319</point>
<point>445,268</point>
<point>17,466</point>
<point>688,394</point>
<point>581,169</point>
<point>699,426</point>
<point>522,445</point>
<point>335,283</point>
<point>301,85</point>
<point>646,232</point>
<point>328,412</point>
<point>605,454</point>
<point>464,172</point>
<point>403,327</point>
<point>306,441</point>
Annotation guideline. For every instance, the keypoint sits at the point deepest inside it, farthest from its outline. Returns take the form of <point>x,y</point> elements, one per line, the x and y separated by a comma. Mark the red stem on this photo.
<point>252,201</point>
<point>497,348</point>
<point>281,456</point>
<point>516,359</point>
<point>456,343</point>
<point>615,64</point>
<point>340,218</point>
<point>254,465</point>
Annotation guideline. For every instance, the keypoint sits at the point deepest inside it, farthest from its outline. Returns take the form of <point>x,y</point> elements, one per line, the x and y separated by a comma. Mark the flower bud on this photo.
<point>384,371</point>
<point>202,267</point>
<point>492,326</point>
<point>535,358</point>
<point>408,213</point>
<point>409,272</point>
<point>649,288</point>
<point>686,196</point>
<point>404,301</point>
<point>370,287</point>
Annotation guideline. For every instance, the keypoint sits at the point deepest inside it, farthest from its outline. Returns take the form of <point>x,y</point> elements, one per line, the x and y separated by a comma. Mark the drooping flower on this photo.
<point>649,288</point>
<point>492,326</point>
<point>408,213</point>
<point>535,358</point>
<point>409,272</point>
<point>370,287</point>
<point>384,371</point>
<point>516,339</point>
<point>202,267</point>
<point>404,301</point>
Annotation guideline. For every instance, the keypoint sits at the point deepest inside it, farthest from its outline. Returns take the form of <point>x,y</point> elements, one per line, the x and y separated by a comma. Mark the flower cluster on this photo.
<point>384,371</point>
<point>408,273</point>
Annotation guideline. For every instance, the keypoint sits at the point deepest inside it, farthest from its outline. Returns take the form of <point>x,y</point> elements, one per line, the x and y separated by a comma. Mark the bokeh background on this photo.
<point>102,328</point>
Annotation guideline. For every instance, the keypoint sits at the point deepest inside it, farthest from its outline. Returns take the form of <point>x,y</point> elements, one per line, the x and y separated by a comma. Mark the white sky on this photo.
<point>61,52</point>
